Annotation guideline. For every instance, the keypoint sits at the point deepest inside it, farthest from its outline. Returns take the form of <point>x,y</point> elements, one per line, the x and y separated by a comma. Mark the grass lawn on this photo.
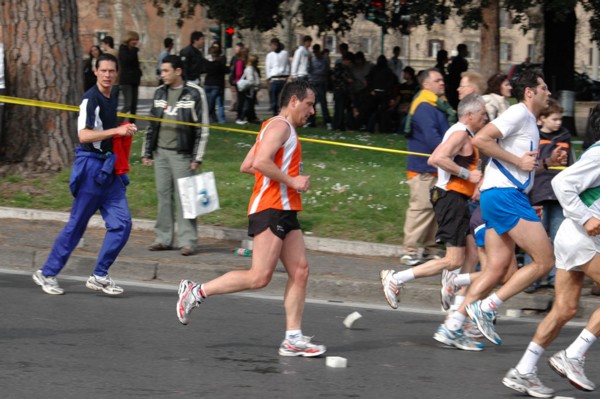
<point>355,194</point>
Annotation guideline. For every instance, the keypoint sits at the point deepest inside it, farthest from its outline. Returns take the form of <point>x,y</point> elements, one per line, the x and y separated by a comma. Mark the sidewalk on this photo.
<point>27,237</point>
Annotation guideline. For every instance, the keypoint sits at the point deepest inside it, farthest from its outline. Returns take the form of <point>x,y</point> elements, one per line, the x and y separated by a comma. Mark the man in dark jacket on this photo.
<point>318,76</point>
<point>177,150</point>
<point>429,123</point>
<point>193,59</point>
<point>458,65</point>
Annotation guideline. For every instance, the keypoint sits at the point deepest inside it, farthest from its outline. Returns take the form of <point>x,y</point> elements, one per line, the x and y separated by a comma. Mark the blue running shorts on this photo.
<point>502,208</point>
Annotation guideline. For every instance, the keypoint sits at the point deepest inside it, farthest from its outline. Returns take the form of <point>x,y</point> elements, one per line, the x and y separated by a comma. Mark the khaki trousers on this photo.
<point>420,224</point>
<point>168,167</point>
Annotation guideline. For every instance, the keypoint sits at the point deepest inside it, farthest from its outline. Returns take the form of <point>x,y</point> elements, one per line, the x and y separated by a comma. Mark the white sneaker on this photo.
<point>449,289</point>
<point>470,329</point>
<point>528,384</point>
<point>104,284</point>
<point>301,347</point>
<point>329,127</point>
<point>456,339</point>
<point>48,284</point>
<point>572,369</point>
<point>410,260</point>
<point>391,288</point>
<point>187,301</point>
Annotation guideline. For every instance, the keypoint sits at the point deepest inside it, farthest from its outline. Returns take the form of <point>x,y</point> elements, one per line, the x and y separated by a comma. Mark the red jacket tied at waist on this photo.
<point>121,148</point>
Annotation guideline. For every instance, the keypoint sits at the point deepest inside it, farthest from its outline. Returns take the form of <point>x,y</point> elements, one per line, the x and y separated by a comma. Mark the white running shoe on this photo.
<point>528,384</point>
<point>484,321</point>
<point>391,288</point>
<point>48,284</point>
<point>301,347</point>
<point>449,289</point>
<point>104,284</point>
<point>410,260</point>
<point>186,302</point>
<point>456,339</point>
<point>470,329</point>
<point>572,369</point>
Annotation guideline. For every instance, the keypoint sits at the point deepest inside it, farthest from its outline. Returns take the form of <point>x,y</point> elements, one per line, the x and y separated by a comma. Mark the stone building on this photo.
<point>98,18</point>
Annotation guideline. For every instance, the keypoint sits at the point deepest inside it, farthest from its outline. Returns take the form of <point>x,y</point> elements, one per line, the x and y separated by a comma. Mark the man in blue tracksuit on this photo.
<point>94,186</point>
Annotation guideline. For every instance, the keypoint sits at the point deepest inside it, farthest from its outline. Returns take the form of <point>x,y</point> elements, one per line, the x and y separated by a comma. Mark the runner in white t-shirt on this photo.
<point>511,141</point>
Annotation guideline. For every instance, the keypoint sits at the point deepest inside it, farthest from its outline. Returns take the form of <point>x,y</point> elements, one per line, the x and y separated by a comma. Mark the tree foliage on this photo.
<point>339,15</point>
<point>244,14</point>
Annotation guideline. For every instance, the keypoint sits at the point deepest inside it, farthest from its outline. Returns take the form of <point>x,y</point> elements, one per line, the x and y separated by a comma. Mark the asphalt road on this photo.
<point>88,345</point>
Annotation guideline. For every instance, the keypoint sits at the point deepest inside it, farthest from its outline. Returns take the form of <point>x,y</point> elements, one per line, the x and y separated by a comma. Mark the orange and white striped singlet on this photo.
<point>270,194</point>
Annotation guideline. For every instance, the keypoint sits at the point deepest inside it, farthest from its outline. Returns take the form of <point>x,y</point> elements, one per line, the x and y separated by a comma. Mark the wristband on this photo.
<point>464,174</point>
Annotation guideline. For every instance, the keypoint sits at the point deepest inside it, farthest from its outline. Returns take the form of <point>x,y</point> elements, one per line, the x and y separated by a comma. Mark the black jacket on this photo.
<point>542,188</point>
<point>194,62</point>
<point>190,139</point>
<point>129,65</point>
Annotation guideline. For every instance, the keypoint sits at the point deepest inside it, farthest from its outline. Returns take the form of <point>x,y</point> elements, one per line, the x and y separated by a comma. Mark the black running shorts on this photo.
<point>452,214</point>
<point>280,222</point>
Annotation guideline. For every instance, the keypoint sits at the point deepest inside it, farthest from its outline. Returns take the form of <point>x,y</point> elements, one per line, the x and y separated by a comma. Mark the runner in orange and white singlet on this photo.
<point>268,193</point>
<point>275,160</point>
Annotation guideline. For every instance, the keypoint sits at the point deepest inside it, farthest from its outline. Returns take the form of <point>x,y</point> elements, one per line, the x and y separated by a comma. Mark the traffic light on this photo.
<point>229,32</point>
<point>376,12</point>
<point>216,31</point>
<point>401,18</point>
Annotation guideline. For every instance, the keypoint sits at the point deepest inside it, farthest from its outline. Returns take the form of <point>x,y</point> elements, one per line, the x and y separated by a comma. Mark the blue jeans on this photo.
<point>214,95</point>
<point>275,88</point>
<point>552,217</point>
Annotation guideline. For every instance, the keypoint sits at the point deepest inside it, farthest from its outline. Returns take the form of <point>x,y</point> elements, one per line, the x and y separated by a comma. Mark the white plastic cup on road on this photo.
<point>513,312</point>
<point>336,362</point>
<point>351,318</point>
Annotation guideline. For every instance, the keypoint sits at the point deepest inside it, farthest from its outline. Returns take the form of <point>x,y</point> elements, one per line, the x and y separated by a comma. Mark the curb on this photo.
<point>327,245</point>
<point>334,285</point>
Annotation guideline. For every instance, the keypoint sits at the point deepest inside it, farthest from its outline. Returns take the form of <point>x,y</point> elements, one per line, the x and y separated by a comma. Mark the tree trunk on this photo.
<point>559,60</point>
<point>489,63</point>
<point>290,11</point>
<point>41,41</point>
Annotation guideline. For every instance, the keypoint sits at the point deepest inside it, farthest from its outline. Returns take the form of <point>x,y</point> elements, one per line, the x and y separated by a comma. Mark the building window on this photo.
<point>330,42</point>
<point>505,19</point>
<point>103,8</point>
<point>531,51</point>
<point>366,45</point>
<point>474,49</point>
<point>433,46</point>
<point>505,52</point>
<point>100,35</point>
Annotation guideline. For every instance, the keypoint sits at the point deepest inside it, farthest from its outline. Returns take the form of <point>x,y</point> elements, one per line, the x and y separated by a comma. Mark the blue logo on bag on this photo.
<point>203,197</point>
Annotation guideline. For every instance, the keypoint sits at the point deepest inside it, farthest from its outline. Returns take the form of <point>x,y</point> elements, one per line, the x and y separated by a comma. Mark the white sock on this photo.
<point>455,321</point>
<point>580,346</point>
<point>404,276</point>
<point>198,292</point>
<point>458,300</point>
<point>462,279</point>
<point>293,335</point>
<point>491,303</point>
<point>530,358</point>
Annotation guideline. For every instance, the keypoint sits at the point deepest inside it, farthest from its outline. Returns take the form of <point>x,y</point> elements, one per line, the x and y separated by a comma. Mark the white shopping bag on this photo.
<point>198,194</point>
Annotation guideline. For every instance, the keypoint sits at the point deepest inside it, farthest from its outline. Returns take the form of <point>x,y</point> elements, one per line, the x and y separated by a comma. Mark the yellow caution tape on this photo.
<point>64,107</point>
